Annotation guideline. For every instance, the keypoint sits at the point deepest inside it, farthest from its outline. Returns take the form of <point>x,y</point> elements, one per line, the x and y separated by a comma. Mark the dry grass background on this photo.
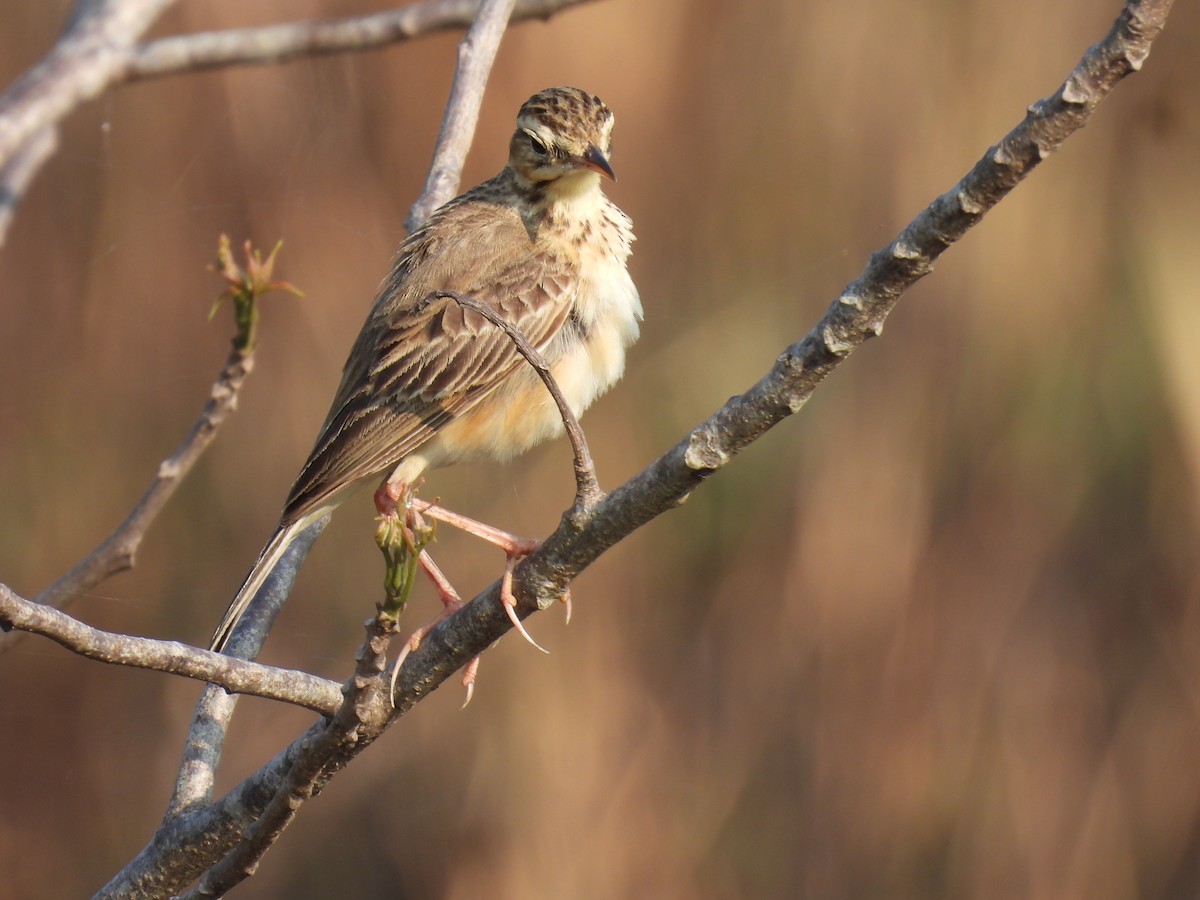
<point>939,636</point>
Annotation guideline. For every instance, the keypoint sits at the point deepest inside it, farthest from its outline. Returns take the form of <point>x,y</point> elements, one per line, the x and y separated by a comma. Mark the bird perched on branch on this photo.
<point>429,384</point>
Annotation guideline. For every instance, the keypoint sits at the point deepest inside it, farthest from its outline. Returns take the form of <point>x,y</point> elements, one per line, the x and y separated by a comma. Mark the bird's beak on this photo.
<point>593,159</point>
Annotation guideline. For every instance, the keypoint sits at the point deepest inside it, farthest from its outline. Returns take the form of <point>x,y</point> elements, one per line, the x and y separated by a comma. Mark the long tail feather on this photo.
<point>271,554</point>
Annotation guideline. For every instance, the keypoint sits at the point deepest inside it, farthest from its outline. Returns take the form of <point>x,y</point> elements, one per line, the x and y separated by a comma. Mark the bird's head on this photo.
<point>563,140</point>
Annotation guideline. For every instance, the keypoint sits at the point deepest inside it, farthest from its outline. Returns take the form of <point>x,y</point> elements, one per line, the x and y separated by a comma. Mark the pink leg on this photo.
<point>388,496</point>
<point>452,603</point>
<point>509,543</point>
<point>514,548</point>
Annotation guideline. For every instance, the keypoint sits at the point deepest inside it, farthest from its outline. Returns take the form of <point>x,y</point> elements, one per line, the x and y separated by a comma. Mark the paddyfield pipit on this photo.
<point>431,383</point>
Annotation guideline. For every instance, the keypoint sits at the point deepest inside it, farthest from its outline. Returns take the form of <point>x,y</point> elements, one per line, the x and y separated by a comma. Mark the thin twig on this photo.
<point>476,52</point>
<point>856,315</point>
<point>117,552</point>
<point>298,688</point>
<point>587,488</point>
<point>297,40</point>
<point>99,50</point>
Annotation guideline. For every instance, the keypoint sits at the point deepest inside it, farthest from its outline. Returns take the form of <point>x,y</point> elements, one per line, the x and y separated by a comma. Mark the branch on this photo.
<point>98,50</point>
<point>205,836</point>
<point>238,676</point>
<point>214,709</point>
<point>297,40</point>
<point>476,52</point>
<point>855,316</point>
<point>118,551</point>
<point>587,488</point>
<point>90,56</point>
<point>365,711</point>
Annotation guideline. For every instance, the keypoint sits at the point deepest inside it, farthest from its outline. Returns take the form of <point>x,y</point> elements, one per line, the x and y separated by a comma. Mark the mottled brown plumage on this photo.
<point>429,383</point>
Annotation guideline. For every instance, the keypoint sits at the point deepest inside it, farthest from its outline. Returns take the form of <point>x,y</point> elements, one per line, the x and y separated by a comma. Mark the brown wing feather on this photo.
<point>415,365</point>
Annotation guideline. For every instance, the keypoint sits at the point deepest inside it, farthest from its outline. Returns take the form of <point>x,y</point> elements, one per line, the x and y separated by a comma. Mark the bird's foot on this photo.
<point>451,603</point>
<point>390,500</point>
<point>515,549</point>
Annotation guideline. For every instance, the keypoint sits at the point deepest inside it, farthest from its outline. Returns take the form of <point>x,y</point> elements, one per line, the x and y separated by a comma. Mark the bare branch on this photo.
<point>89,57</point>
<point>172,657</point>
<point>295,40</point>
<point>118,551</point>
<point>587,488</point>
<point>476,53</point>
<point>364,712</point>
<point>857,314</point>
<point>98,50</point>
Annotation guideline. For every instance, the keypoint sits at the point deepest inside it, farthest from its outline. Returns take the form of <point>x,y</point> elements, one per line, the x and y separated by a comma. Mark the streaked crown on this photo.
<point>561,131</point>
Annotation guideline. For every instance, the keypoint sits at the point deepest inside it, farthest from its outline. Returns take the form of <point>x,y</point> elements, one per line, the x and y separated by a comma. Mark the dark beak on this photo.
<point>593,159</point>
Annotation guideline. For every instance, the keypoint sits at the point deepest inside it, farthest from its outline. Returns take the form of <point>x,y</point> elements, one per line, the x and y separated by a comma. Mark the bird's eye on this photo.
<point>536,145</point>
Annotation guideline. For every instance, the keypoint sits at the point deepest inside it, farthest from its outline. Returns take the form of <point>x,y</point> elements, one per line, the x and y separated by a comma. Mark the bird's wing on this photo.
<point>418,364</point>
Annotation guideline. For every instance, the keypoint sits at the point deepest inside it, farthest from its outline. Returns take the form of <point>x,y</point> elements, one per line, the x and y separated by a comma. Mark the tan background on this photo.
<point>936,637</point>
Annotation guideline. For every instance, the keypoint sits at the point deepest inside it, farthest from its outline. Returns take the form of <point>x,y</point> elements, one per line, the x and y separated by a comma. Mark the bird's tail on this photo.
<point>271,554</point>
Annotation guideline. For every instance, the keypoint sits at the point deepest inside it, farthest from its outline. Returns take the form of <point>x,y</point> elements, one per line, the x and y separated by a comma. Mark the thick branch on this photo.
<point>234,675</point>
<point>857,314</point>
<point>363,711</point>
<point>89,57</point>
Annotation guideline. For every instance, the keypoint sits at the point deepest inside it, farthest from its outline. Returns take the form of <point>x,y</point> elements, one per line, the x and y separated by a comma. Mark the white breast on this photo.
<point>607,307</point>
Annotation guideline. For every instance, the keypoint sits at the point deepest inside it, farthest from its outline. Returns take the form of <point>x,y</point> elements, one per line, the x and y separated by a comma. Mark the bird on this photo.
<point>429,382</point>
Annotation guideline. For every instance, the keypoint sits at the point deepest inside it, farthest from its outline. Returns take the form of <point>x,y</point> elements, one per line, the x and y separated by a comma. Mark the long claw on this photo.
<point>468,680</point>
<point>411,644</point>
<point>510,604</point>
<point>565,600</point>
<point>389,498</point>
<point>452,603</point>
<point>395,675</point>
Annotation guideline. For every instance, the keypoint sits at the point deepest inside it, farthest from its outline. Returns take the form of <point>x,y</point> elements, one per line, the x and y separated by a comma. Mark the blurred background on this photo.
<point>938,636</point>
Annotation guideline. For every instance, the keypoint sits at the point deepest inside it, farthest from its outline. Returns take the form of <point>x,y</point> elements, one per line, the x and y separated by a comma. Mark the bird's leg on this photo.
<point>452,603</point>
<point>403,540</point>
<point>510,543</point>
<point>515,549</point>
<point>390,498</point>
<point>391,495</point>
